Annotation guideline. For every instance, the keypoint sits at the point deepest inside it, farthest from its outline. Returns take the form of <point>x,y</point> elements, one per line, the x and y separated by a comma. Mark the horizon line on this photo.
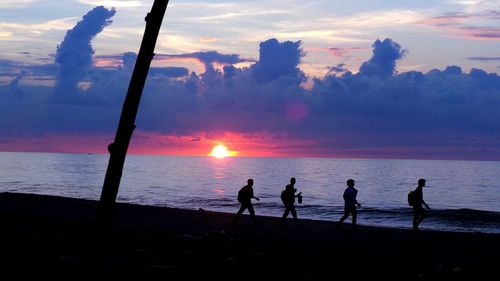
<point>352,157</point>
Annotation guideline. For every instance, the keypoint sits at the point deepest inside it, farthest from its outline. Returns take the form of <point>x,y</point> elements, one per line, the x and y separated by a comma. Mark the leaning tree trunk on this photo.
<point>118,149</point>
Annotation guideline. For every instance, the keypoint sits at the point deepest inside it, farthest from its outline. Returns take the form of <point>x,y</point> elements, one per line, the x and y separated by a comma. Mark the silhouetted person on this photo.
<point>418,200</point>
<point>288,198</point>
<point>245,196</point>
<point>350,203</point>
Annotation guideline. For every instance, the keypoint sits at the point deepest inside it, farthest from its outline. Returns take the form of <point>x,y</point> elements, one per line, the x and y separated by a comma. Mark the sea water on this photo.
<point>463,195</point>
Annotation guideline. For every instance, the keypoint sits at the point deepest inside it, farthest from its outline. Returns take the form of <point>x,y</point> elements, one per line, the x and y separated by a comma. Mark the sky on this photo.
<point>361,79</point>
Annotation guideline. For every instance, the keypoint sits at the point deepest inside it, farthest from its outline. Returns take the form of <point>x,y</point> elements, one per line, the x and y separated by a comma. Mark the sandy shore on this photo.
<point>50,235</point>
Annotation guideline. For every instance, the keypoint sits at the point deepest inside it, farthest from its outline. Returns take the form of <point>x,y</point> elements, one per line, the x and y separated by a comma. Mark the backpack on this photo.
<point>411,198</point>
<point>288,196</point>
<point>241,195</point>
<point>283,196</point>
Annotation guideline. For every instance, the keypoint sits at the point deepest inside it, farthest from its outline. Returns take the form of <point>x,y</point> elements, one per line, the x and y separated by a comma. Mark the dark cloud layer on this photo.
<point>377,111</point>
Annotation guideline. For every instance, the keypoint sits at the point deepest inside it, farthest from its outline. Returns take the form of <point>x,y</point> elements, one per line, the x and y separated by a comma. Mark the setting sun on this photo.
<point>220,151</point>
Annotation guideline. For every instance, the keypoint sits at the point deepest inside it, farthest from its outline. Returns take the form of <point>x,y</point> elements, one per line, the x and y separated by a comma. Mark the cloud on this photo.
<point>16,3</point>
<point>452,70</point>
<point>383,61</point>
<point>115,3</point>
<point>208,57</point>
<point>10,68</point>
<point>5,34</point>
<point>445,20</point>
<point>339,68</point>
<point>171,72</point>
<point>277,60</point>
<point>492,33</point>
<point>74,54</point>
<point>461,25</point>
<point>441,113</point>
<point>339,52</point>
<point>242,14</point>
<point>336,51</point>
<point>30,32</point>
<point>229,71</point>
<point>484,58</point>
<point>128,60</point>
<point>377,112</point>
<point>15,82</point>
<point>208,39</point>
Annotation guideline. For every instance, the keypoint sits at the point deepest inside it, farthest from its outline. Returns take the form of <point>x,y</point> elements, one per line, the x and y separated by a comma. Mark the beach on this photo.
<point>56,236</point>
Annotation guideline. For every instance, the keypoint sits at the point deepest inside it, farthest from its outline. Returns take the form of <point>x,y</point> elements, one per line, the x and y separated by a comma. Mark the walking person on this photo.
<point>288,199</point>
<point>245,196</point>
<point>350,203</point>
<point>416,200</point>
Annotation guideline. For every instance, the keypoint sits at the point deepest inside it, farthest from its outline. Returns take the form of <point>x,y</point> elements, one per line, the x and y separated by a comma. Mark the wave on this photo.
<point>447,215</point>
<point>442,214</point>
<point>443,219</point>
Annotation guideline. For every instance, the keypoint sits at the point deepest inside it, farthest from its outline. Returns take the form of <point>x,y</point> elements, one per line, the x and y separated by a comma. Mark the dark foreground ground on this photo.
<point>54,236</point>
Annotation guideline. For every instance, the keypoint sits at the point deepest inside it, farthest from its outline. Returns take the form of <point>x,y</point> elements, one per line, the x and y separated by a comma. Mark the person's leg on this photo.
<point>285,214</point>
<point>354,216</point>
<point>294,214</point>
<point>240,211</point>
<point>344,217</point>
<point>420,217</point>
<point>416,215</point>
<point>252,213</point>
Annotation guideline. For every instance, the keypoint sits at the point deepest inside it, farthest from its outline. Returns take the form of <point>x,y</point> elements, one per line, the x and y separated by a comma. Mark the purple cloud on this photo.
<point>14,85</point>
<point>446,20</point>
<point>74,54</point>
<point>208,58</point>
<point>336,51</point>
<point>457,25</point>
<point>480,32</point>
<point>339,68</point>
<point>383,61</point>
<point>278,60</point>
<point>484,58</point>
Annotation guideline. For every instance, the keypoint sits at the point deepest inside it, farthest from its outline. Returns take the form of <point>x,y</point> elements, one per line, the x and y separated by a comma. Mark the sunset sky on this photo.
<point>370,79</point>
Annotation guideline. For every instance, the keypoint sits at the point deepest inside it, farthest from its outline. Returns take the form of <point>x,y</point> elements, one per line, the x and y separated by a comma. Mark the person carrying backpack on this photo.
<point>288,199</point>
<point>416,199</point>
<point>245,196</point>
<point>350,203</point>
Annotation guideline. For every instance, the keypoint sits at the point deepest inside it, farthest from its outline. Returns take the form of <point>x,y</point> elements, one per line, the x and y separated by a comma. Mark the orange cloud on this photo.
<point>208,39</point>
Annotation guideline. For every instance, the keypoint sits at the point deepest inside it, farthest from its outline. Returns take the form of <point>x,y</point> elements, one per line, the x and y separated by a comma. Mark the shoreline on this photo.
<point>433,222</point>
<point>52,234</point>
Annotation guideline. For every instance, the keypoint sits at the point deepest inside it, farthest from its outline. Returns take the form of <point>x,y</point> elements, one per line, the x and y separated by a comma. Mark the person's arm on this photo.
<point>425,204</point>
<point>252,196</point>
<point>356,200</point>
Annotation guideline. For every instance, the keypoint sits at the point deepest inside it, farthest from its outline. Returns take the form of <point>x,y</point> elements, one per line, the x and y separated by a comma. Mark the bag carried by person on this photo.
<point>241,195</point>
<point>411,198</point>
<point>283,197</point>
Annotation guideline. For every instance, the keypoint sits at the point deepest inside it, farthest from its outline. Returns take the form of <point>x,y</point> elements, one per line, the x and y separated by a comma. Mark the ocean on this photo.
<point>464,195</point>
